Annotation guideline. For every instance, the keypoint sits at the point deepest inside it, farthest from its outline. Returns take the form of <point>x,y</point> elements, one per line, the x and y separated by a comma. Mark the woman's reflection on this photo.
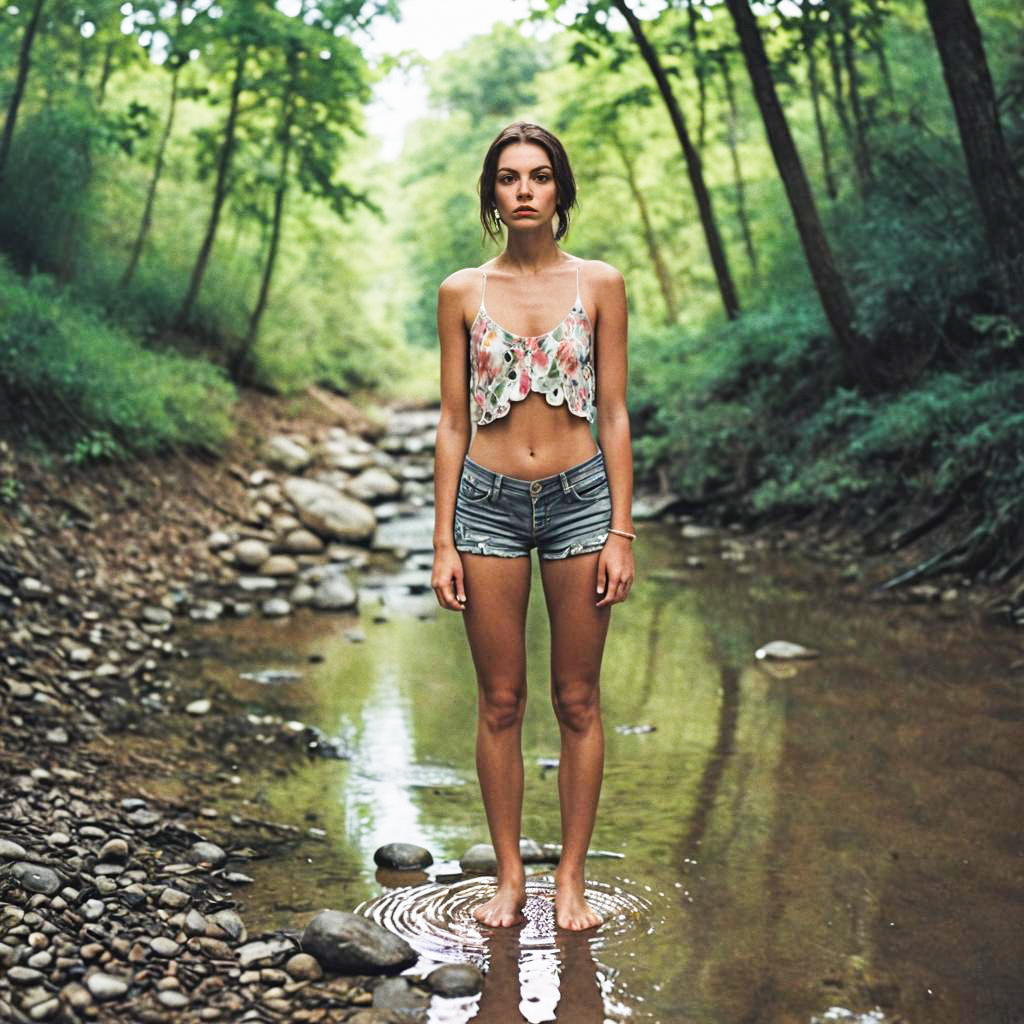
<point>540,985</point>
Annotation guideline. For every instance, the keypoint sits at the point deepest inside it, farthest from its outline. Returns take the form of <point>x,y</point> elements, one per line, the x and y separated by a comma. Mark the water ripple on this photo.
<point>437,919</point>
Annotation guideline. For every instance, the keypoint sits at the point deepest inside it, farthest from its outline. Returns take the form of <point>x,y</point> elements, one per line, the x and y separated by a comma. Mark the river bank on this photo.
<point>103,572</point>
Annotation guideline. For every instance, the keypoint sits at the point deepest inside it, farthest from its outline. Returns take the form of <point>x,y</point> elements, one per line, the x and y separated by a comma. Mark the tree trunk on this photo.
<point>838,98</point>
<point>835,299</point>
<point>997,184</point>
<point>147,212</point>
<point>700,72</point>
<point>24,62</point>
<point>108,65</point>
<point>808,36</point>
<point>241,363</point>
<point>650,238</point>
<point>862,153</point>
<point>732,138</point>
<point>219,195</point>
<point>876,41</point>
<point>716,250</point>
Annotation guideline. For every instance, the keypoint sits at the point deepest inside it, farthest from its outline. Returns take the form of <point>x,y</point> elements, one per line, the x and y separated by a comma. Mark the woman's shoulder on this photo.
<point>601,275</point>
<point>599,272</point>
<point>461,281</point>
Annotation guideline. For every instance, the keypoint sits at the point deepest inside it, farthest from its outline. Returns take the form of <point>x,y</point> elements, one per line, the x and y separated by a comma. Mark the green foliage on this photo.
<point>65,363</point>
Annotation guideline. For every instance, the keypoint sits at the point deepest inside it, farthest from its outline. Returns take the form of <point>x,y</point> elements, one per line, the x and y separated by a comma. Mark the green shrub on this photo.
<point>63,361</point>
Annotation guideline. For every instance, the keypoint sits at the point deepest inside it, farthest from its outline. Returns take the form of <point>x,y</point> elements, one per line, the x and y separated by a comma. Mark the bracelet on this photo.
<point>623,533</point>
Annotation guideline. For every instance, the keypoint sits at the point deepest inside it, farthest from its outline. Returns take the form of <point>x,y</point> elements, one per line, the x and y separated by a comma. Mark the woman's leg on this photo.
<point>497,591</point>
<point>578,631</point>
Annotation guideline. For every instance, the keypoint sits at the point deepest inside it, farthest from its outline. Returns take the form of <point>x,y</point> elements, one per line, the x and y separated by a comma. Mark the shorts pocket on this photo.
<point>473,490</point>
<point>591,489</point>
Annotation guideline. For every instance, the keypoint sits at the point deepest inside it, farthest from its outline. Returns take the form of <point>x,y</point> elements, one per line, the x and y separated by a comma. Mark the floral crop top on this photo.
<point>506,367</point>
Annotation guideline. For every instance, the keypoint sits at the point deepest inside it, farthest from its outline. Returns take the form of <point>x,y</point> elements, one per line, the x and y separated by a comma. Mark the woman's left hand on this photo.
<point>615,570</point>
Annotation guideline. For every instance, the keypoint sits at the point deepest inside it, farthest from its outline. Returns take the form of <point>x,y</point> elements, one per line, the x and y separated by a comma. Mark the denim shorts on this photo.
<point>561,515</point>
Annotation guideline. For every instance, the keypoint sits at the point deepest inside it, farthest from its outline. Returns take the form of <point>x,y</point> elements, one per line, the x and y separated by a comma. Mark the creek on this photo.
<point>830,839</point>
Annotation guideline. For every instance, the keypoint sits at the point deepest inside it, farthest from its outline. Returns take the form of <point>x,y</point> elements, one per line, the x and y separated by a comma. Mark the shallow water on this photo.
<point>840,833</point>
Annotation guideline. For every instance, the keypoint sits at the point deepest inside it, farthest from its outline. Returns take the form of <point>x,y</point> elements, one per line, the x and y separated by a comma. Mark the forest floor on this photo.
<point>94,563</point>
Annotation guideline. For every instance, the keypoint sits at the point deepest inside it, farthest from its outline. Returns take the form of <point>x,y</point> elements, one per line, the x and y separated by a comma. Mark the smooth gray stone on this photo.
<point>403,857</point>
<point>455,980</point>
<point>209,852</point>
<point>36,878</point>
<point>105,986</point>
<point>349,944</point>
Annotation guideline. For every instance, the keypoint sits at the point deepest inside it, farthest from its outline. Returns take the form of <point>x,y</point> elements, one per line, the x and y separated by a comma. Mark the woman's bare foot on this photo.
<point>571,910</point>
<point>504,908</point>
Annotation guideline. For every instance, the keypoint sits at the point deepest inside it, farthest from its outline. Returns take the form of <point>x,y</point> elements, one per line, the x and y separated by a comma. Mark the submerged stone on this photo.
<point>403,857</point>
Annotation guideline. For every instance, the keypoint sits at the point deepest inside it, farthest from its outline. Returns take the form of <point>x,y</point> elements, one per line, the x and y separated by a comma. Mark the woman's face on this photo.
<point>524,187</point>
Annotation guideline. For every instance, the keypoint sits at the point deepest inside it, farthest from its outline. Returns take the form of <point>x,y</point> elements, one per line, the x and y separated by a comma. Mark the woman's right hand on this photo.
<point>446,579</point>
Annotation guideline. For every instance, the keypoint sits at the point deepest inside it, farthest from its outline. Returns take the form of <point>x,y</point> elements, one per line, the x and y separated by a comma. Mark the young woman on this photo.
<point>530,476</point>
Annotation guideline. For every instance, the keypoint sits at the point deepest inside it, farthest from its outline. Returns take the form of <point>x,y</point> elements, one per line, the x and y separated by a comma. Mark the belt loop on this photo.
<point>565,483</point>
<point>496,487</point>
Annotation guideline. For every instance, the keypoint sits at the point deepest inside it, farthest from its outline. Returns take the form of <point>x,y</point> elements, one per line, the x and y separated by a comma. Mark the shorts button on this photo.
<point>535,487</point>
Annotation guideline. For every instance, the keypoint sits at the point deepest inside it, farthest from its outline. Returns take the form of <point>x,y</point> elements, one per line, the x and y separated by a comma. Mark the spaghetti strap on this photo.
<point>579,298</point>
<point>483,289</point>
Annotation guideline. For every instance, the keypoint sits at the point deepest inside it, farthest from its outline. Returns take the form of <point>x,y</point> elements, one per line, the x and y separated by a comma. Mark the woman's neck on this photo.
<point>531,252</point>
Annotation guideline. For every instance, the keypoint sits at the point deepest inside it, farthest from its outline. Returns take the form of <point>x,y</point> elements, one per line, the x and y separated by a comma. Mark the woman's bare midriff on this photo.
<point>533,440</point>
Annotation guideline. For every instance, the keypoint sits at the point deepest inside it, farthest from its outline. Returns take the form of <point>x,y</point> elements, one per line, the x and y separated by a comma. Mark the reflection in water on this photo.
<point>547,973</point>
<point>561,984</point>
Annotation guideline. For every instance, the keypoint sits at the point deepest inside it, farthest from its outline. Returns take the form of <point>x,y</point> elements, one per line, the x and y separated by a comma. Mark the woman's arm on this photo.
<point>615,569</point>
<point>452,441</point>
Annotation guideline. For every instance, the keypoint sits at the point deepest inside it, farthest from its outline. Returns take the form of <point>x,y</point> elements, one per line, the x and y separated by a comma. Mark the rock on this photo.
<point>373,484</point>
<point>303,967</point>
<point>335,593</point>
<point>264,951</point>
<point>650,506</point>
<point>251,553</point>
<point>479,859</point>
<point>218,540</point>
<point>276,607</point>
<point>455,980</point>
<point>691,531</point>
<point>157,616</point>
<point>330,513</point>
<point>303,542</point>
<point>279,565</point>
<point>287,454</point>
<point>783,650</point>
<point>348,944</point>
<point>164,947</point>
<point>36,878</point>
<point>24,975</point>
<point>199,707</point>
<point>301,594</point>
<point>251,584</point>
<point>403,857</point>
<point>206,611</point>
<point>105,986</point>
<point>175,899</point>
<point>211,853</point>
<point>11,850</point>
<point>195,923</point>
<point>230,924</point>
<point>173,999</point>
<point>397,994</point>
<point>93,910</point>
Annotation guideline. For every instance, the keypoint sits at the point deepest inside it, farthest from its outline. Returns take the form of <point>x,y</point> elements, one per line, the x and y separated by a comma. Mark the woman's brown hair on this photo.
<point>565,183</point>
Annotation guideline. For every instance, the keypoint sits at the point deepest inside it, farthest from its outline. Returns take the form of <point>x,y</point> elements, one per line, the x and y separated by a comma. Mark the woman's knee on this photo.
<point>577,704</point>
<point>502,705</point>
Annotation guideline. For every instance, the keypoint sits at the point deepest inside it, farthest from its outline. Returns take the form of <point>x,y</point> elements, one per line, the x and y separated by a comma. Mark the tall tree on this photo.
<point>319,86</point>
<point>17,93</point>
<point>809,30</point>
<point>716,250</point>
<point>240,27</point>
<point>997,184</point>
<point>832,292</point>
